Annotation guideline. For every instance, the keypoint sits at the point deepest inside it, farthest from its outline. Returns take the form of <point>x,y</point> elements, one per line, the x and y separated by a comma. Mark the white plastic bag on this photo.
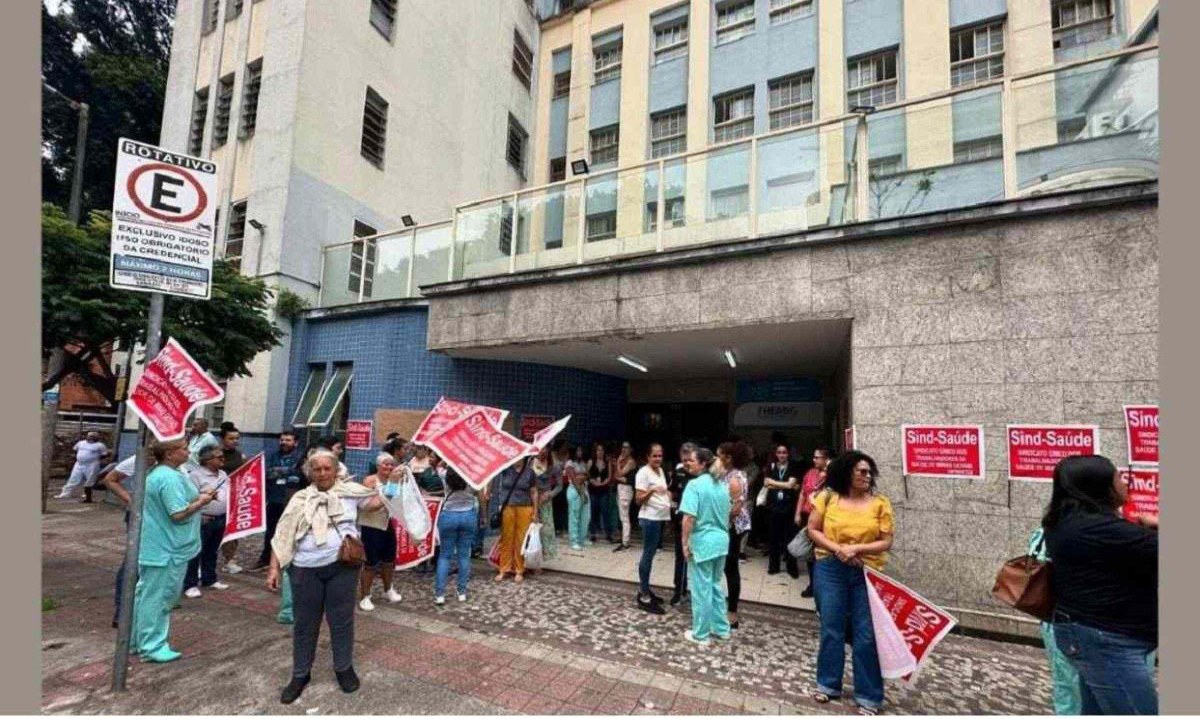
<point>531,548</point>
<point>414,514</point>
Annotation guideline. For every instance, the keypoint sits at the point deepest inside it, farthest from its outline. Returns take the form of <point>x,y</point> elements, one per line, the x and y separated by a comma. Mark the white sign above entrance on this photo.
<point>779,414</point>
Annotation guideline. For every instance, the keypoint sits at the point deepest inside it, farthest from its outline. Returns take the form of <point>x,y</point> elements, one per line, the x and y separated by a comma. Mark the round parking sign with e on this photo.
<point>166,192</point>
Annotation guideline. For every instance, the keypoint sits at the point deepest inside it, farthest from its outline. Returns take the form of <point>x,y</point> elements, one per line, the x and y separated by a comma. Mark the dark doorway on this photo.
<point>672,424</point>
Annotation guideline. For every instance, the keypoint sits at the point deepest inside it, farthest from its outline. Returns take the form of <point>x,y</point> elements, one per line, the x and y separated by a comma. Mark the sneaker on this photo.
<point>219,585</point>
<point>808,592</point>
<point>393,596</point>
<point>193,593</point>
<point>676,599</point>
<point>233,568</point>
<point>692,638</point>
<point>590,542</point>
<point>576,548</point>
<point>347,680</point>
<point>620,548</point>
<point>462,597</point>
<point>294,688</point>
<point>722,637</point>
<point>366,605</point>
<point>649,605</point>
<point>162,656</point>
<point>439,601</point>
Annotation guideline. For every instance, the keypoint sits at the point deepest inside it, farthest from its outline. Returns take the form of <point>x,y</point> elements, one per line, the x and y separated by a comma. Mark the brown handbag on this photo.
<point>352,553</point>
<point>1023,583</point>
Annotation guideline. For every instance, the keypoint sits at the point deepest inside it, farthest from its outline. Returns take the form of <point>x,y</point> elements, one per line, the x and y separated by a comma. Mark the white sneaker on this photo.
<point>233,568</point>
<point>393,596</point>
<point>193,593</point>
<point>576,547</point>
<point>439,601</point>
<point>462,597</point>
<point>219,585</point>
<point>366,605</point>
<point>692,638</point>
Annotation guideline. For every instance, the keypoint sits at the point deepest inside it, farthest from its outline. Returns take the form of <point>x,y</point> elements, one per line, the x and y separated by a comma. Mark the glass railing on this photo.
<point>1081,124</point>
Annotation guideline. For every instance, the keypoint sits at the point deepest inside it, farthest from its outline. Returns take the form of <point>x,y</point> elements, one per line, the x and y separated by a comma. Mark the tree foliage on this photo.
<point>82,314</point>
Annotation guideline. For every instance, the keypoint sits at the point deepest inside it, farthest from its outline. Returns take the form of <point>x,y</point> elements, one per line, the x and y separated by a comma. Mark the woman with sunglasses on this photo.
<point>851,526</point>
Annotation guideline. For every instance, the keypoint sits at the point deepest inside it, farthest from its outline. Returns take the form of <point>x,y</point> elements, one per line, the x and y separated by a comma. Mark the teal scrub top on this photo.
<point>164,540</point>
<point>707,500</point>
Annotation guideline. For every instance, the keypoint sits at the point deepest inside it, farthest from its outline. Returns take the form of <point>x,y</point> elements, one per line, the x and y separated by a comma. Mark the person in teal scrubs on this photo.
<point>705,507</point>
<point>170,538</point>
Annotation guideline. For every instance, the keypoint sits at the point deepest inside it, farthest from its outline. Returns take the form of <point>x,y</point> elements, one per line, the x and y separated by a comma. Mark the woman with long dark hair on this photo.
<point>732,460</point>
<point>1105,584</point>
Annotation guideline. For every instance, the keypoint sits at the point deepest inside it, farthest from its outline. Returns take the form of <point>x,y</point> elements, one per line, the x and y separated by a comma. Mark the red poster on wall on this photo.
<point>531,424</point>
<point>410,553</point>
<point>478,449</point>
<point>246,512</point>
<point>943,450</point>
<point>358,434</point>
<point>1143,491</point>
<point>1034,449</point>
<point>1141,433</point>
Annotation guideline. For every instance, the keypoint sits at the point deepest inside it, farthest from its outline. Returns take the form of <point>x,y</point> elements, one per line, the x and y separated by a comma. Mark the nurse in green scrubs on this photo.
<point>170,538</point>
<point>705,507</point>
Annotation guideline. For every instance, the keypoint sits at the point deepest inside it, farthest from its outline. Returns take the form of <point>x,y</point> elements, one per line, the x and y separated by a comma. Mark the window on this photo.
<point>668,132</point>
<point>734,115</point>
<point>982,149</point>
<point>362,260</point>
<point>232,9</point>
<point>790,101</point>
<point>562,84</point>
<point>383,17</point>
<point>735,20</point>
<point>333,394</point>
<point>235,234</point>
<point>784,10</point>
<point>976,54</point>
<point>1078,22</point>
<point>199,115</point>
<point>517,140</point>
<point>879,167</point>
<point>602,226</point>
<point>212,15</point>
<point>506,229</point>
<point>731,202</point>
<point>604,146</point>
<point>374,133</point>
<point>607,64</point>
<point>558,169</point>
<point>308,398</point>
<point>670,41</point>
<point>221,116</point>
<point>673,214</point>
<point>522,64</point>
<point>872,80</point>
<point>250,89</point>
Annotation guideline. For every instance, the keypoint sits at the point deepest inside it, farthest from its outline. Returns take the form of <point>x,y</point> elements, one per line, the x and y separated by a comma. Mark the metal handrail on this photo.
<point>388,234</point>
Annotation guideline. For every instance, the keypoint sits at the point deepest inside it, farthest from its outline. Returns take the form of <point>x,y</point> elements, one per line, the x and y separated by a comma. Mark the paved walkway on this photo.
<point>559,643</point>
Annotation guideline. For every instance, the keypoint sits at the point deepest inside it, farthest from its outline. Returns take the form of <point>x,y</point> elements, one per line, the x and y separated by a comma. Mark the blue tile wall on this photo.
<point>392,369</point>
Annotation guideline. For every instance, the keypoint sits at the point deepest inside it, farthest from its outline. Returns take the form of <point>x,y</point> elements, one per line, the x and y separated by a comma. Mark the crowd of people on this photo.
<point>328,538</point>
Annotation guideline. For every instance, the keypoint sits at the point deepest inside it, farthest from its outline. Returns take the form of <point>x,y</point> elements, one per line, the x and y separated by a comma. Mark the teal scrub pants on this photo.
<point>708,599</point>
<point>285,600</point>
<point>577,517</point>
<point>157,591</point>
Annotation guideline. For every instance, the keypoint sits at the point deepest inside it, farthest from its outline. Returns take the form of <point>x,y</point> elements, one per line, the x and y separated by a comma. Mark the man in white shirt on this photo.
<point>88,453</point>
<point>202,569</point>
<point>654,498</point>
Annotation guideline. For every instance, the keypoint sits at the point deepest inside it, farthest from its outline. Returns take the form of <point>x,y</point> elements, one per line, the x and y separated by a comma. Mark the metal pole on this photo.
<point>137,496</point>
<point>75,206</point>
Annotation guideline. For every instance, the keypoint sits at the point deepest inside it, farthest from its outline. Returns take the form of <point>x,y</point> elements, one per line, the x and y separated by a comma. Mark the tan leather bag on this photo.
<point>352,553</point>
<point>1023,583</point>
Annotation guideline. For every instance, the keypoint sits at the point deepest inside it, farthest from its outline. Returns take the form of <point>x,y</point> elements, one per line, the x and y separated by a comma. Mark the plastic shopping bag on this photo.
<point>531,548</point>
<point>494,554</point>
<point>414,513</point>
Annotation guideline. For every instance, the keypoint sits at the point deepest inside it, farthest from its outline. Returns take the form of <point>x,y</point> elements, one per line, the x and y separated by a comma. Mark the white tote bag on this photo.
<point>414,514</point>
<point>531,547</point>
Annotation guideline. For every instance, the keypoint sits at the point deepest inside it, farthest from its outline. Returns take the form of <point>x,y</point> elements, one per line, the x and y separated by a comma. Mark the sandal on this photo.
<point>499,577</point>
<point>519,578</point>
<point>821,697</point>
<point>867,711</point>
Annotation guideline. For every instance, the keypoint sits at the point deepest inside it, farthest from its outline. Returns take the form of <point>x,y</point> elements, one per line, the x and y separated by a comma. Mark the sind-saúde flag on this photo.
<point>246,512</point>
<point>907,626</point>
<point>169,389</point>
<point>446,413</point>
<point>410,553</point>
<point>478,449</point>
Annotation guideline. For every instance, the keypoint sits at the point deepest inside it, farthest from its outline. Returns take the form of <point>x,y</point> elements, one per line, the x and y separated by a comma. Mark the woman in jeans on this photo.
<point>850,526</point>
<point>1105,584</point>
<point>379,534</point>
<point>456,529</point>
<point>307,541</point>
<point>654,498</point>
<point>732,460</point>
<point>517,490</point>
<point>599,493</point>
<point>626,469</point>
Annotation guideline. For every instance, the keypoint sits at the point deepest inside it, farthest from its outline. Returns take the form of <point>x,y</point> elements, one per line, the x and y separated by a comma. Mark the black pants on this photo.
<point>327,591</point>
<point>274,512</point>
<point>680,563</point>
<point>809,564</point>
<point>733,572</point>
<point>781,529</point>
<point>202,569</point>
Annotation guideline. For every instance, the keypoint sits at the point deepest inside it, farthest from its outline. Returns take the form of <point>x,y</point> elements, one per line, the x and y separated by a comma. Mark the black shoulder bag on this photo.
<point>497,518</point>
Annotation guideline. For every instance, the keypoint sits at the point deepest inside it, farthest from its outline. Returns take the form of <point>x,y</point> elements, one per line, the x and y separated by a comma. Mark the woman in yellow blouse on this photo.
<point>850,526</point>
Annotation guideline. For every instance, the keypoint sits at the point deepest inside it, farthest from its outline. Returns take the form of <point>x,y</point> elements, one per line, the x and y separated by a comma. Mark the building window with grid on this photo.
<point>562,84</point>
<point>558,169</point>
<point>374,130</point>
<point>250,90</point>
<point>1079,22</point>
<point>671,40</point>
<point>733,115</point>
<point>673,215</point>
<point>607,65</point>
<point>515,149</point>
<point>236,234</point>
<point>880,167</point>
<point>982,149</point>
<point>199,117</point>
<point>212,15</point>
<point>604,147</point>
<point>522,60</point>
<point>602,226</point>
<point>790,101</point>
<point>735,20</point>
<point>730,202</point>
<point>872,80</point>
<point>668,132</point>
<point>785,10</point>
<point>324,405</point>
<point>383,17</point>
<point>221,115</point>
<point>233,8</point>
<point>976,54</point>
<point>362,260</point>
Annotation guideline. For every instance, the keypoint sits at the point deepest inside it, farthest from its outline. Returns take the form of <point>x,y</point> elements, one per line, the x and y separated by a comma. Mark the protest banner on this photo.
<point>943,451</point>
<point>478,449</point>
<point>546,435</point>
<point>907,626</point>
<point>246,511</point>
<point>410,553</point>
<point>172,385</point>
<point>446,412</point>
<point>1141,433</point>
<point>1034,449</point>
<point>358,434</point>
<point>1143,491</point>
<point>531,424</point>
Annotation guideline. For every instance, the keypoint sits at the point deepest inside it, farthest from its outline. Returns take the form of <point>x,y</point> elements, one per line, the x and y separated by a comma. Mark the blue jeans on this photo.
<point>841,594</point>
<point>456,530</point>
<point>1114,674</point>
<point>601,514</point>
<point>651,535</point>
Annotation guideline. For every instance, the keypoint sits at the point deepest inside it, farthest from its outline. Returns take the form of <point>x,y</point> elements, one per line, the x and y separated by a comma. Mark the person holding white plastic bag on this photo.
<point>518,492</point>
<point>379,534</point>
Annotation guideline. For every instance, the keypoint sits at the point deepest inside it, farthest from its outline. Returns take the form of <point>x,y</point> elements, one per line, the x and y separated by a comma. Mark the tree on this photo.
<point>84,316</point>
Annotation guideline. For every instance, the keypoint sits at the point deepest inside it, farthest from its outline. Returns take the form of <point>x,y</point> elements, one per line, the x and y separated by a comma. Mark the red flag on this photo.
<point>247,509</point>
<point>410,553</point>
<point>171,386</point>
<point>907,626</point>
<point>546,435</point>
<point>478,449</point>
<point>446,412</point>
